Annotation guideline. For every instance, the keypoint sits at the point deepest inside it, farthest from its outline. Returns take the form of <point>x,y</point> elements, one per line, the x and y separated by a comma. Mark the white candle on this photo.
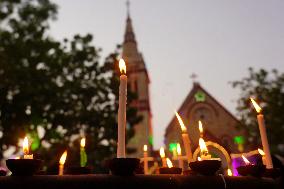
<point>122,110</point>
<point>62,162</point>
<point>263,135</point>
<point>185,139</point>
<point>163,157</point>
<point>180,160</point>
<point>145,159</point>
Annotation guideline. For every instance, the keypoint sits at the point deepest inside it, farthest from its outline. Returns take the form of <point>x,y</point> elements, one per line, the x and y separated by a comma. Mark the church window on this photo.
<point>200,96</point>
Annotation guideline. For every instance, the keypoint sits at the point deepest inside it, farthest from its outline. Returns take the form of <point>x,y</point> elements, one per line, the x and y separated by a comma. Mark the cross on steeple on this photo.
<point>128,7</point>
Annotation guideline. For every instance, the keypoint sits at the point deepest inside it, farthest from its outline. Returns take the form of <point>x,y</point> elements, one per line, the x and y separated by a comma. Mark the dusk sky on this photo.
<point>216,39</point>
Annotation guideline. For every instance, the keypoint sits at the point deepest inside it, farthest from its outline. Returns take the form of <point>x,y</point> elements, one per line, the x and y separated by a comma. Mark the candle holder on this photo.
<point>23,167</point>
<point>78,170</point>
<point>205,167</point>
<point>3,172</point>
<point>253,170</point>
<point>123,166</point>
<point>172,170</point>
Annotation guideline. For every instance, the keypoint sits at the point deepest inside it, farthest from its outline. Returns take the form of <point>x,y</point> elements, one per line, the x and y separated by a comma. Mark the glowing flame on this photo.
<point>63,158</point>
<point>261,152</point>
<point>229,172</point>
<point>145,148</point>
<point>169,163</point>
<point>162,152</point>
<point>26,146</point>
<point>246,160</point>
<point>200,127</point>
<point>18,157</point>
<point>183,128</point>
<point>256,106</point>
<point>122,66</point>
<point>199,158</point>
<point>178,149</point>
<point>83,142</point>
<point>202,145</point>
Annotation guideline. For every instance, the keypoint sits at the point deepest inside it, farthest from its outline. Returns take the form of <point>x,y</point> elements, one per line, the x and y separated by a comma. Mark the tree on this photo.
<point>268,88</point>
<point>55,90</point>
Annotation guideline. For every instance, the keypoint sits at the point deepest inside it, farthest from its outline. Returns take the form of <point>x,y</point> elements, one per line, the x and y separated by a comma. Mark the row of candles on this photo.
<point>83,155</point>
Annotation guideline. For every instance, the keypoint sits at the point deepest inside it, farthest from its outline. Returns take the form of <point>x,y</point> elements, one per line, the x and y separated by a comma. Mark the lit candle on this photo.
<point>263,135</point>
<point>229,172</point>
<point>145,149</point>
<point>26,149</point>
<point>200,128</point>
<point>169,163</point>
<point>163,156</point>
<point>261,152</point>
<point>247,162</point>
<point>62,162</point>
<point>180,161</point>
<point>204,155</point>
<point>185,138</point>
<point>122,110</point>
<point>83,155</point>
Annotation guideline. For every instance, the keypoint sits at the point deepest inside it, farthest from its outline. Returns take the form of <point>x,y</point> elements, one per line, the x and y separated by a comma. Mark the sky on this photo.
<point>217,40</point>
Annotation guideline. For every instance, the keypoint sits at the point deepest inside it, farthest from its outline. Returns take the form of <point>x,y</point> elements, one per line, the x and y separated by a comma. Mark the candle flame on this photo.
<point>18,157</point>
<point>83,142</point>
<point>202,145</point>
<point>63,158</point>
<point>256,106</point>
<point>162,152</point>
<point>145,148</point>
<point>122,66</point>
<point>178,149</point>
<point>183,128</point>
<point>246,160</point>
<point>200,127</point>
<point>26,146</point>
<point>199,158</point>
<point>229,172</point>
<point>261,152</point>
<point>169,163</point>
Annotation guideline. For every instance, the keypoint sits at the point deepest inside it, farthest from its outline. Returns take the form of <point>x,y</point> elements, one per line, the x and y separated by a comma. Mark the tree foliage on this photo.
<point>55,90</point>
<point>268,88</point>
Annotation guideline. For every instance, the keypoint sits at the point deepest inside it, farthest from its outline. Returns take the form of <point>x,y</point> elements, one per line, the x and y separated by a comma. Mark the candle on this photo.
<point>122,110</point>
<point>200,128</point>
<point>145,149</point>
<point>204,155</point>
<point>26,149</point>
<point>163,157</point>
<point>169,163</point>
<point>185,138</point>
<point>180,161</point>
<point>261,152</point>
<point>62,162</point>
<point>83,155</point>
<point>247,162</point>
<point>263,135</point>
<point>229,172</point>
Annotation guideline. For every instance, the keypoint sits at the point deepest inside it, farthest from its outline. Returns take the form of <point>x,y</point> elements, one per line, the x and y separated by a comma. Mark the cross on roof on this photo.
<point>128,7</point>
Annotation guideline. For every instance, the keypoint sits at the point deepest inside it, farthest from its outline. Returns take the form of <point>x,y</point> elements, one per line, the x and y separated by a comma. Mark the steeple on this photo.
<point>129,36</point>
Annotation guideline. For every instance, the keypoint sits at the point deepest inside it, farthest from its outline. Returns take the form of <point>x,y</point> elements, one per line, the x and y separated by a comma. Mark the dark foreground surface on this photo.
<point>136,182</point>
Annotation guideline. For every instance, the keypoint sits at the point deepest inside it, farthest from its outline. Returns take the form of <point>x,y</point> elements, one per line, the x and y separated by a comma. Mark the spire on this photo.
<point>129,36</point>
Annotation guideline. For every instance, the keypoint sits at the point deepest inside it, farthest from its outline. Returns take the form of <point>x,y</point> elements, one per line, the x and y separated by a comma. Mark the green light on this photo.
<point>200,96</point>
<point>239,139</point>
<point>172,146</point>
<point>151,140</point>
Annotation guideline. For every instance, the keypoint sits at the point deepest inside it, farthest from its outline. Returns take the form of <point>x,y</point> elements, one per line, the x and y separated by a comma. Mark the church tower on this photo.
<point>138,81</point>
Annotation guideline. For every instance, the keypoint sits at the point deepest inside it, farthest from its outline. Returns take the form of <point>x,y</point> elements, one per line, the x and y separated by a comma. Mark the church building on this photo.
<point>220,126</point>
<point>138,81</point>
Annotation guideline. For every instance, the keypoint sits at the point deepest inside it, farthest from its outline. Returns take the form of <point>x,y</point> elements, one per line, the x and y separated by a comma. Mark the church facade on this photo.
<point>219,125</point>
<point>139,82</point>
